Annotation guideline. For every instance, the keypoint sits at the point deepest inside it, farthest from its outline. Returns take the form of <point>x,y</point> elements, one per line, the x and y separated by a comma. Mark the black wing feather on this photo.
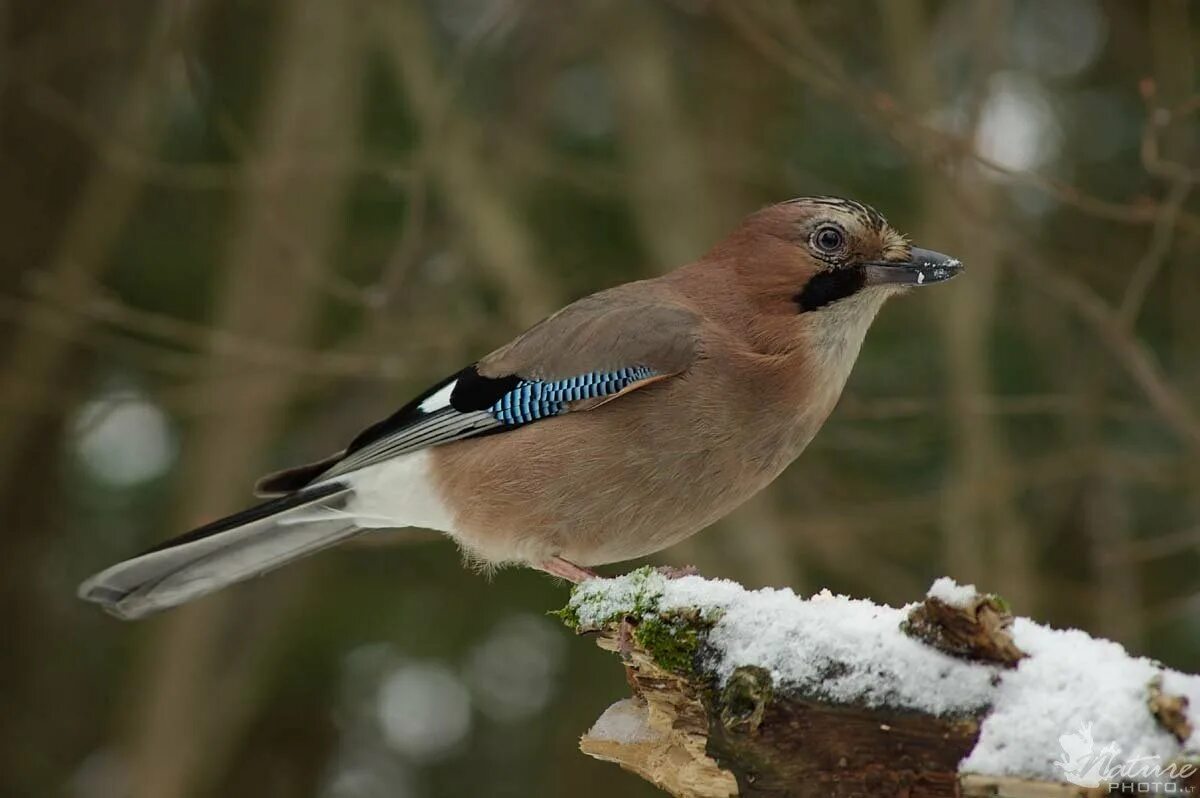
<point>396,421</point>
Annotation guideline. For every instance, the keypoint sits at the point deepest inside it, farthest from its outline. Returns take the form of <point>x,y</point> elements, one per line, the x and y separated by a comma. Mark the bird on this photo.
<point>618,426</point>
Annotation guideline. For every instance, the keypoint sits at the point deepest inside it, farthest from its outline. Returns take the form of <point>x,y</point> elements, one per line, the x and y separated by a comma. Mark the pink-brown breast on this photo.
<point>635,475</point>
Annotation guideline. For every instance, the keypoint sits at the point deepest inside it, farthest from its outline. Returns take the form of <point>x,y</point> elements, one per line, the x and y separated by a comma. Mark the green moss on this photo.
<point>672,638</point>
<point>745,698</point>
<point>598,603</point>
<point>567,615</point>
<point>1000,603</point>
<point>671,641</point>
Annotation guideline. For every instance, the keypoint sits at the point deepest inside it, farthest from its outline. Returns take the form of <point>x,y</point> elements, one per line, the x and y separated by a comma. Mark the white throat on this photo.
<point>836,333</point>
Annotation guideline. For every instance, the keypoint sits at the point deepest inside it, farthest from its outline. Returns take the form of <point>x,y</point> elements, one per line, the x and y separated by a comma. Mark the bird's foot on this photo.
<point>564,569</point>
<point>674,572</point>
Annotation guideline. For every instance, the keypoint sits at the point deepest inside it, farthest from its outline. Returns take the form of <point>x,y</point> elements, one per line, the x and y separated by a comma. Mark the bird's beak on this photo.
<point>924,267</point>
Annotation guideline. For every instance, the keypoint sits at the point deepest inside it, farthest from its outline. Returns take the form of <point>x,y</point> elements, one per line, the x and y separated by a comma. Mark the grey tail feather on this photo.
<point>229,550</point>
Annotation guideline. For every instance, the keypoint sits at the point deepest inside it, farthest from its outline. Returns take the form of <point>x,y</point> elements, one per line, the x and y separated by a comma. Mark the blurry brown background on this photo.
<point>233,232</point>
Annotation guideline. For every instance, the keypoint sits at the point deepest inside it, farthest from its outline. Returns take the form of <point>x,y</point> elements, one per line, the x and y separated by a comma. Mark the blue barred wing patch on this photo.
<point>449,412</point>
<point>531,400</point>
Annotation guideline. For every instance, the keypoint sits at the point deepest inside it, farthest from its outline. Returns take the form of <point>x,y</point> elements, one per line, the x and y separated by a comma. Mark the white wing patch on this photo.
<point>438,400</point>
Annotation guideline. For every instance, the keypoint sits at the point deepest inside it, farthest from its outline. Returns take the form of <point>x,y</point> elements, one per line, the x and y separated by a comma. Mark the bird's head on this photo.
<point>821,252</point>
<point>814,271</point>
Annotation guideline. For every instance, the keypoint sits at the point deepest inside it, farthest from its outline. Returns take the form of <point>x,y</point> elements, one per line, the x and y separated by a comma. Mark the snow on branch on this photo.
<point>753,693</point>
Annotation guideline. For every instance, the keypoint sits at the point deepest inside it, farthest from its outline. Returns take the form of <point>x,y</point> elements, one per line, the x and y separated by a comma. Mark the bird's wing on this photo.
<point>588,353</point>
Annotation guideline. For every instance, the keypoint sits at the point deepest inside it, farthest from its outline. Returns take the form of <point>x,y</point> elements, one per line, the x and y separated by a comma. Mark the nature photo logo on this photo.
<point>1086,765</point>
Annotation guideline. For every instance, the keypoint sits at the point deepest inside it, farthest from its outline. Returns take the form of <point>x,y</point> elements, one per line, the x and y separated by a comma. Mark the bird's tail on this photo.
<point>238,547</point>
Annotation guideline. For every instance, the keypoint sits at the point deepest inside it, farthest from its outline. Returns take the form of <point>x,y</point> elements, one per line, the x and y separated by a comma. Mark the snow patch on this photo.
<point>850,650</point>
<point>952,593</point>
<point>1070,680</point>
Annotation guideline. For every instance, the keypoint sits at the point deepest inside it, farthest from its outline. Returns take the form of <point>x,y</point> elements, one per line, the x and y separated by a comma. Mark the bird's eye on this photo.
<point>828,239</point>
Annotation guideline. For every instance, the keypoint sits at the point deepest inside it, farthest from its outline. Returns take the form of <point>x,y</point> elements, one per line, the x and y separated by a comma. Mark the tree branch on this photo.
<point>763,693</point>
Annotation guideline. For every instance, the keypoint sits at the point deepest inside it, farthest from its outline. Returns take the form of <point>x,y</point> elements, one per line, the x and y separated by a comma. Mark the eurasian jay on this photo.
<point>616,427</point>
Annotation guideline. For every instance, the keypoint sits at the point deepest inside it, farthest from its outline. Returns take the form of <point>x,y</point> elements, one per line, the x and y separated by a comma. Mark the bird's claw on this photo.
<point>677,572</point>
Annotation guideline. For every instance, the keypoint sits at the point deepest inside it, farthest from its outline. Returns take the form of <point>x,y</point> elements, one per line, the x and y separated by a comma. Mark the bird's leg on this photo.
<point>564,569</point>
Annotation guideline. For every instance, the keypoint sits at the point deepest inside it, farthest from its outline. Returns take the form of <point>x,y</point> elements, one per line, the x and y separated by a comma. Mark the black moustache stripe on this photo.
<point>830,286</point>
